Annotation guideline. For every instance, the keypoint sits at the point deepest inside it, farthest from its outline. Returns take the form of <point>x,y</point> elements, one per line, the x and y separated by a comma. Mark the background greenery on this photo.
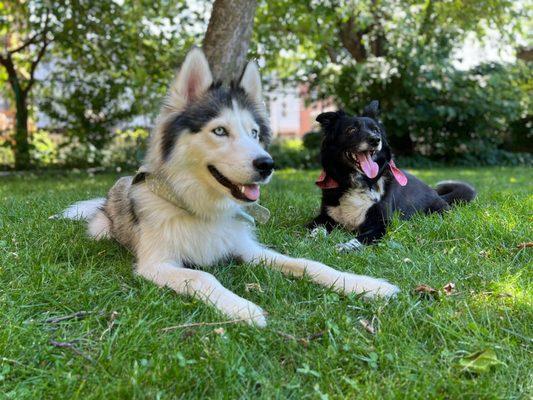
<point>111,62</point>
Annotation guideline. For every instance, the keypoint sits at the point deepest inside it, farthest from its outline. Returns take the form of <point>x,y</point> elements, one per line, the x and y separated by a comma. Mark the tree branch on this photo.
<point>352,39</point>
<point>33,67</point>
<point>31,40</point>
<point>13,78</point>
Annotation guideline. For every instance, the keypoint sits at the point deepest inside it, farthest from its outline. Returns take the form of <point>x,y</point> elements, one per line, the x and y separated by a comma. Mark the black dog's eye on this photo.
<point>351,131</point>
<point>220,131</point>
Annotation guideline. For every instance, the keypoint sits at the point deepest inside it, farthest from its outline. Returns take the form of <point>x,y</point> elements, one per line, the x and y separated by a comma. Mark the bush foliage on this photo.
<point>438,111</point>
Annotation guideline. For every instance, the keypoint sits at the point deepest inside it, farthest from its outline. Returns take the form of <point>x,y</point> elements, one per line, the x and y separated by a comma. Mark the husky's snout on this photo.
<point>264,166</point>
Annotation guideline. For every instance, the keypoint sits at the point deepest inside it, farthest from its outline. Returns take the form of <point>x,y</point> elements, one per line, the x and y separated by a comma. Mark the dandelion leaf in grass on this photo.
<point>479,362</point>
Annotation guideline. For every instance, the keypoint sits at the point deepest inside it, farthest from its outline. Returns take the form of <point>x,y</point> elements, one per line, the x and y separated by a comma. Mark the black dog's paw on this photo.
<point>352,245</point>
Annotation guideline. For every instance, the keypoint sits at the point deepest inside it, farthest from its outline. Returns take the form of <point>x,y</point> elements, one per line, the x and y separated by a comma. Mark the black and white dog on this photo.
<point>205,161</point>
<point>362,187</point>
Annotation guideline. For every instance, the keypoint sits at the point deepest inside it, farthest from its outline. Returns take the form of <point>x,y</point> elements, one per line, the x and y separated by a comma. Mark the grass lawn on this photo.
<point>315,345</point>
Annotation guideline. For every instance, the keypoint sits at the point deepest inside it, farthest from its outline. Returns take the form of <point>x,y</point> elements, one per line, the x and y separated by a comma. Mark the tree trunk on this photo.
<point>22,145</point>
<point>228,36</point>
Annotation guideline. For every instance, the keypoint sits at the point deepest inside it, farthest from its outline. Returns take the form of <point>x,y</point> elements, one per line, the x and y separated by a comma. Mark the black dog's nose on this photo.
<point>373,141</point>
<point>264,165</point>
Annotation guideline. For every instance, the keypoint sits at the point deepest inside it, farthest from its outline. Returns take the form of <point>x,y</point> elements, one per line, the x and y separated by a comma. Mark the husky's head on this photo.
<point>210,139</point>
<point>353,146</point>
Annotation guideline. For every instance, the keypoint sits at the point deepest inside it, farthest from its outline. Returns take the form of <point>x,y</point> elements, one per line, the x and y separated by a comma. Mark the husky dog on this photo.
<point>362,187</point>
<point>205,161</point>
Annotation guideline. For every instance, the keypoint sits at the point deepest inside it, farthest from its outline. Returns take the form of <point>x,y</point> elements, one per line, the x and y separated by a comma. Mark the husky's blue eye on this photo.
<point>255,133</point>
<point>220,131</point>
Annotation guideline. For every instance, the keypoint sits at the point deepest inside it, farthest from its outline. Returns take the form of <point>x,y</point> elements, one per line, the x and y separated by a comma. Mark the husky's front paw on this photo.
<point>246,311</point>
<point>352,245</point>
<point>369,287</point>
<point>256,317</point>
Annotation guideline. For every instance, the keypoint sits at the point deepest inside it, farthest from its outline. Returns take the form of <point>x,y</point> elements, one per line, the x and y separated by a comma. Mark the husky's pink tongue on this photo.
<point>251,192</point>
<point>369,167</point>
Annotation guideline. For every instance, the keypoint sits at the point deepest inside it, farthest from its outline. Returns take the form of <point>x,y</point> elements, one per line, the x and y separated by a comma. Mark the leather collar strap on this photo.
<point>161,188</point>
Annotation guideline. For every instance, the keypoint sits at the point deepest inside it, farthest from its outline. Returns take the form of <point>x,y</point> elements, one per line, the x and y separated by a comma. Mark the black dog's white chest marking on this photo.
<point>354,204</point>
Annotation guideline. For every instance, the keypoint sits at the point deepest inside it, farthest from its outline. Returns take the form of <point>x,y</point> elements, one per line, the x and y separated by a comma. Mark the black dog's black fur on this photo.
<point>344,133</point>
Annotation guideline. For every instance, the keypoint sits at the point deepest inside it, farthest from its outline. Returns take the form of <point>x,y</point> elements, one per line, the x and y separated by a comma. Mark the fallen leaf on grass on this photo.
<point>426,291</point>
<point>368,326</point>
<point>249,287</point>
<point>449,288</point>
<point>524,245</point>
<point>480,361</point>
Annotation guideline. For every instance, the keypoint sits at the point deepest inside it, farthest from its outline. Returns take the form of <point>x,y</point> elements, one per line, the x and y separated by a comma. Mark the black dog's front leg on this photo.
<point>372,234</point>
<point>371,231</point>
<point>322,220</point>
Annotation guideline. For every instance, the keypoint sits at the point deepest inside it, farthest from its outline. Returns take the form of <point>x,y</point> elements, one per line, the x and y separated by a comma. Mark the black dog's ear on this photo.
<point>328,119</point>
<point>371,110</point>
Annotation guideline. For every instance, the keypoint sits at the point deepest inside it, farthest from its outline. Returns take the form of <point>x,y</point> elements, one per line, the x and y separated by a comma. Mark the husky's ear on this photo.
<point>251,82</point>
<point>371,110</point>
<point>192,81</point>
<point>327,119</point>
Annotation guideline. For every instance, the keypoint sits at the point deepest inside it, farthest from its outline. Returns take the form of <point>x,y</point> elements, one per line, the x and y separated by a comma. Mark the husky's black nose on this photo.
<point>373,141</point>
<point>264,165</point>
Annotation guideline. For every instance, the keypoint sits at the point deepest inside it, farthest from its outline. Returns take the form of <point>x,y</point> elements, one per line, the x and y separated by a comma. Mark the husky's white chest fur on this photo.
<point>178,235</point>
<point>354,204</point>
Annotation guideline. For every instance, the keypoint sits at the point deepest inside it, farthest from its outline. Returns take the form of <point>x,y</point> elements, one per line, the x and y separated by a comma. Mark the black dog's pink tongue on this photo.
<point>369,166</point>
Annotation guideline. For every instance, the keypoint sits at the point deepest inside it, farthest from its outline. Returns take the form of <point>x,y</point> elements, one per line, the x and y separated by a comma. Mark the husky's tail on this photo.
<point>92,211</point>
<point>454,192</point>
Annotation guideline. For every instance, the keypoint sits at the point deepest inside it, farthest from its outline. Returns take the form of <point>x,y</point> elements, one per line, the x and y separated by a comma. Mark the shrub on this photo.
<point>312,140</point>
<point>291,153</point>
<point>44,150</point>
<point>431,108</point>
<point>127,149</point>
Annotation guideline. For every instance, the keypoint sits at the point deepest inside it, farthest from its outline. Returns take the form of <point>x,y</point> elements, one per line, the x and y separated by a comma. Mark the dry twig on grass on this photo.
<point>198,324</point>
<point>71,346</point>
<point>76,315</point>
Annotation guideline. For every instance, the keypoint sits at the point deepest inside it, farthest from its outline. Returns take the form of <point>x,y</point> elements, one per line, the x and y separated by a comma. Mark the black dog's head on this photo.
<point>353,147</point>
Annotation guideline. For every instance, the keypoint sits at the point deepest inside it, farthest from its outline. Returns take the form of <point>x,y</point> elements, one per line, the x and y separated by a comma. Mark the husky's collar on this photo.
<point>161,188</point>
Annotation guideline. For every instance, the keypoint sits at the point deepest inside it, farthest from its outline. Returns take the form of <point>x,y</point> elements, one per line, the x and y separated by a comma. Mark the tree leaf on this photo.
<point>479,362</point>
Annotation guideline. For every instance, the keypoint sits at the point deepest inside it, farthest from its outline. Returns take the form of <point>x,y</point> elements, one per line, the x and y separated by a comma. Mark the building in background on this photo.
<point>290,116</point>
